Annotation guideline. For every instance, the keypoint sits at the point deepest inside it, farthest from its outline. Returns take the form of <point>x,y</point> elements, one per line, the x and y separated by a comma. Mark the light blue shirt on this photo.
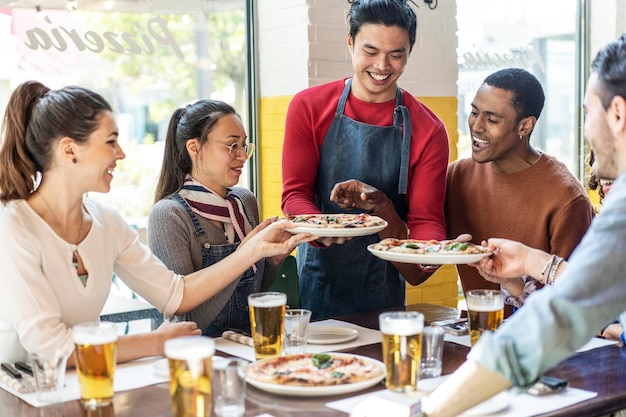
<point>558,320</point>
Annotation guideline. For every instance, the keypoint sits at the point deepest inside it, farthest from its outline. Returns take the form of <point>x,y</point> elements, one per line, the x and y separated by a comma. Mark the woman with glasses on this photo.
<point>200,217</point>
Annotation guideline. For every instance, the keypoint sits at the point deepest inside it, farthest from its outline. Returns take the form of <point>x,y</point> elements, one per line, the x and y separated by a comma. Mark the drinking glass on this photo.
<point>402,348</point>
<point>296,329</point>
<point>486,311</point>
<point>191,372</point>
<point>267,319</point>
<point>96,353</point>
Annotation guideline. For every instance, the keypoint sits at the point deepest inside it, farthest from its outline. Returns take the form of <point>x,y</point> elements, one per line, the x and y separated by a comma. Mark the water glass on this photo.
<point>432,352</point>
<point>49,373</point>
<point>229,387</point>
<point>296,330</point>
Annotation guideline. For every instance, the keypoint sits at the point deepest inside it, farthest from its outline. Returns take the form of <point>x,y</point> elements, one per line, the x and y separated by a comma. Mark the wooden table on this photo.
<point>600,370</point>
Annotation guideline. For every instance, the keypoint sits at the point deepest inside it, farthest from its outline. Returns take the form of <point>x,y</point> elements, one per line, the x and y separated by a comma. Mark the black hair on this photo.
<point>528,96</point>
<point>386,12</point>
<point>610,67</point>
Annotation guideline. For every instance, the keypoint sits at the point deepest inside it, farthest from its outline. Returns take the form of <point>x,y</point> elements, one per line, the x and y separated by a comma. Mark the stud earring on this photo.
<point>520,137</point>
<point>75,161</point>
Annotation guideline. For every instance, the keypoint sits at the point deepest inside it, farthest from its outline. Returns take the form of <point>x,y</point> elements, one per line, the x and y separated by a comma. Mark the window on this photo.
<point>147,57</point>
<point>493,34</point>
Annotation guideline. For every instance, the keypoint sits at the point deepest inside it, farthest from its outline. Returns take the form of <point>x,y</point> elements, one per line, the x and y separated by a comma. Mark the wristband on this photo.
<point>622,338</point>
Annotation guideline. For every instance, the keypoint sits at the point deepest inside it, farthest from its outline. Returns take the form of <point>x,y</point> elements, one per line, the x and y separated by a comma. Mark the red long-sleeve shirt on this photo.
<point>309,117</point>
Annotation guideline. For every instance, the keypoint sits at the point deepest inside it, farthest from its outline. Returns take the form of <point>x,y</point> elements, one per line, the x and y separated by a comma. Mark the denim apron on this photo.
<point>235,314</point>
<point>346,278</point>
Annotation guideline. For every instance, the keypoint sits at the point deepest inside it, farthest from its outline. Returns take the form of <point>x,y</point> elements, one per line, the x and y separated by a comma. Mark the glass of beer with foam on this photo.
<point>486,311</point>
<point>190,362</point>
<point>96,353</point>
<point>402,348</point>
<point>267,322</point>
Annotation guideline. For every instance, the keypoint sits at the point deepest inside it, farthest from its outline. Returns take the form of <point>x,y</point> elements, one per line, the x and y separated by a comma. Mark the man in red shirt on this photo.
<point>364,144</point>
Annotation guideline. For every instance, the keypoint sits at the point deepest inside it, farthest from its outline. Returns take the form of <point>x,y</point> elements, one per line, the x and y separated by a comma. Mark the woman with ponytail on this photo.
<point>200,216</point>
<point>59,249</point>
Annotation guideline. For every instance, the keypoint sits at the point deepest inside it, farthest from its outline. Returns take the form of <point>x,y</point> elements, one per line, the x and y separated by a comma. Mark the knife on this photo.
<point>15,374</point>
<point>24,367</point>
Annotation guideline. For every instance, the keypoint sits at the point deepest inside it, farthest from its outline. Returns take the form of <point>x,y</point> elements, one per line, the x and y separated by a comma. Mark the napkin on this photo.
<point>238,337</point>
<point>17,385</point>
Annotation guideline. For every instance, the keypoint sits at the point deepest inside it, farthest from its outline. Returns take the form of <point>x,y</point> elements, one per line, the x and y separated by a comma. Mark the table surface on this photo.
<point>599,370</point>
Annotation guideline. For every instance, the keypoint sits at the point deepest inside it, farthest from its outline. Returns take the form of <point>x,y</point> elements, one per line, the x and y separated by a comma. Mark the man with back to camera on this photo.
<point>591,290</point>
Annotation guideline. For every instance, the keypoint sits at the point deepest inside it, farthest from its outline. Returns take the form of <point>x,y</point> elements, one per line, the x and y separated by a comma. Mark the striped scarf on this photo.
<point>208,204</point>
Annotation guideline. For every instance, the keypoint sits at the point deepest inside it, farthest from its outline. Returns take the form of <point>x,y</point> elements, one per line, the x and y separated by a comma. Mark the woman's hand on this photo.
<point>271,239</point>
<point>353,194</point>
<point>171,329</point>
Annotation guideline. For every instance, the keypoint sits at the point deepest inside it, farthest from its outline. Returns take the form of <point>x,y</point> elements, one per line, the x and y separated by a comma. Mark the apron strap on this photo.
<point>402,119</point>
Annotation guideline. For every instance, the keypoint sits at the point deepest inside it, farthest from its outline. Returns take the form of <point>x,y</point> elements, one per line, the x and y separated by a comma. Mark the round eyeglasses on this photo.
<point>235,148</point>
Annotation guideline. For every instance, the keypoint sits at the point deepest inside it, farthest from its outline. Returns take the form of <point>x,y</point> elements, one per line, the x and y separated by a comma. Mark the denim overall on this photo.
<point>346,278</point>
<point>235,314</point>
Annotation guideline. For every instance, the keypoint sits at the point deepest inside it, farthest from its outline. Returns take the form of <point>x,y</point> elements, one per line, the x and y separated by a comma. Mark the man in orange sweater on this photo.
<point>509,189</point>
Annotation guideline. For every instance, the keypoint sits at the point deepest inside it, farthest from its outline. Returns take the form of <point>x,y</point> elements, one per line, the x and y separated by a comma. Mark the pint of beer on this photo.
<point>402,348</point>
<point>486,311</point>
<point>96,351</point>
<point>267,322</point>
<point>189,359</point>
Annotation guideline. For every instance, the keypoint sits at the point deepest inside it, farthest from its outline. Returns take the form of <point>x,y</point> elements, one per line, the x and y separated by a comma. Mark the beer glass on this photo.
<point>95,351</point>
<point>402,348</point>
<point>486,311</point>
<point>191,370</point>
<point>267,322</point>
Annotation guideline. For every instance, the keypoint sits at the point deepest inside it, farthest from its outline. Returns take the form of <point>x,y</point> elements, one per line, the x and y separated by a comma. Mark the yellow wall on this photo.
<point>442,287</point>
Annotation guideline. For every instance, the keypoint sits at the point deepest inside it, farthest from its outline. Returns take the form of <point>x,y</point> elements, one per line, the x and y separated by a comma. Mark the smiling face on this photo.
<point>97,157</point>
<point>495,130</point>
<point>212,164</point>
<point>379,56</point>
<point>598,133</point>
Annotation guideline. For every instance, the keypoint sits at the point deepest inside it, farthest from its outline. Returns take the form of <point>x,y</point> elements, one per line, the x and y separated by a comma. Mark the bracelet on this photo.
<point>428,268</point>
<point>546,268</point>
<point>622,338</point>
<point>553,268</point>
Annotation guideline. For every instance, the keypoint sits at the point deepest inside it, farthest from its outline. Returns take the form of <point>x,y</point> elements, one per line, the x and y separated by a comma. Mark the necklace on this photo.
<point>74,247</point>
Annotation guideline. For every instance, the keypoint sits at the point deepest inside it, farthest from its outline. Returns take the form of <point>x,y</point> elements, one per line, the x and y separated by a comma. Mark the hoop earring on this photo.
<point>520,137</point>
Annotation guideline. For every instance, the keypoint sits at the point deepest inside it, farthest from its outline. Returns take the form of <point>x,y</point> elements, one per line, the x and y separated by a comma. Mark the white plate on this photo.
<point>320,391</point>
<point>493,405</point>
<point>427,258</point>
<point>162,367</point>
<point>329,335</point>
<point>332,232</point>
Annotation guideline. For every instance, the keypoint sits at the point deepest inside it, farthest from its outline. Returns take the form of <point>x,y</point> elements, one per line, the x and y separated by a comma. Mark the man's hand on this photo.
<point>353,194</point>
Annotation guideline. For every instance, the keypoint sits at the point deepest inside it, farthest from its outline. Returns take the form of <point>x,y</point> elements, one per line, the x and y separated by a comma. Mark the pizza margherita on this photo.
<point>315,370</point>
<point>424,247</point>
<point>337,221</point>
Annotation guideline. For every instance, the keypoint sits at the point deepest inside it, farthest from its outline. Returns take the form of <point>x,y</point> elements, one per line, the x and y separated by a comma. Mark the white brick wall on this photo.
<point>304,43</point>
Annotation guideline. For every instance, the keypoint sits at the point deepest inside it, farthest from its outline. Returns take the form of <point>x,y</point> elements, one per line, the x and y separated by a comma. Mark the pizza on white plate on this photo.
<point>336,221</point>
<point>425,247</point>
<point>315,370</point>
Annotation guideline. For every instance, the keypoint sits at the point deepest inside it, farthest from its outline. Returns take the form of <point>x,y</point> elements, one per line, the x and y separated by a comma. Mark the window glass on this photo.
<point>146,57</point>
<point>495,34</point>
